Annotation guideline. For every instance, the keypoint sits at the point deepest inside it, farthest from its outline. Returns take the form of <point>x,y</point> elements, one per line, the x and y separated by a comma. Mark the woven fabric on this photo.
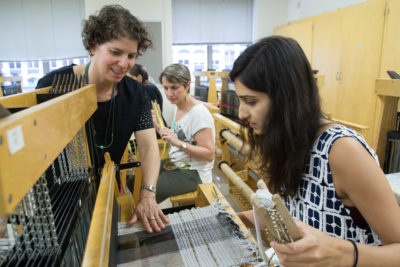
<point>317,203</point>
<point>196,237</point>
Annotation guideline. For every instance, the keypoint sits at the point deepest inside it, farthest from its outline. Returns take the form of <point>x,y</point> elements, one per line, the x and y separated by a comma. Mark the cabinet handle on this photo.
<point>338,76</point>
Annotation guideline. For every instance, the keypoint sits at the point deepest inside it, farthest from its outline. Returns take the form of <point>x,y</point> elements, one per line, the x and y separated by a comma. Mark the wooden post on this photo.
<point>388,91</point>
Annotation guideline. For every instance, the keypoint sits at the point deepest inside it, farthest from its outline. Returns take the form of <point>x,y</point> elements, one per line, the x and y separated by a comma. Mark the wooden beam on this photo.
<point>98,244</point>
<point>387,87</point>
<point>227,122</point>
<point>22,100</point>
<point>388,91</point>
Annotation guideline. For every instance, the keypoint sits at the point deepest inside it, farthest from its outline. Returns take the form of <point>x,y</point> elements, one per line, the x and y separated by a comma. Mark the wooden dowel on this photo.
<point>235,141</point>
<point>236,180</point>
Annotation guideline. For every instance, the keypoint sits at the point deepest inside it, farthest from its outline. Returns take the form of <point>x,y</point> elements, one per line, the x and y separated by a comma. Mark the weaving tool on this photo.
<point>160,121</point>
<point>279,225</point>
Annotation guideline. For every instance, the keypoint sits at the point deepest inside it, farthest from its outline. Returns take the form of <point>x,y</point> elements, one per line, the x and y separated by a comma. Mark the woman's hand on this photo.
<point>315,249</point>
<point>155,122</point>
<point>169,136</point>
<point>150,214</point>
<point>147,209</point>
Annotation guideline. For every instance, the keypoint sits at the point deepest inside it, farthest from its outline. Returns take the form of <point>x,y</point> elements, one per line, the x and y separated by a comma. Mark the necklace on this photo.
<point>111,115</point>
<point>112,107</point>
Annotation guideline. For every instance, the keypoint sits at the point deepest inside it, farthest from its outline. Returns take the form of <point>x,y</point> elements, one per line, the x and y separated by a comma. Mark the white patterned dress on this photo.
<point>317,203</point>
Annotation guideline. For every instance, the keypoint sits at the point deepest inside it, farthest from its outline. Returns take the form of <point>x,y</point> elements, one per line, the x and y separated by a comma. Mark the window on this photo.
<point>14,68</point>
<point>33,67</point>
<point>212,33</point>
<point>32,71</point>
<point>196,57</point>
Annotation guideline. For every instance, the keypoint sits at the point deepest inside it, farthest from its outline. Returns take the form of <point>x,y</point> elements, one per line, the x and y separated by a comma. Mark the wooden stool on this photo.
<point>184,199</point>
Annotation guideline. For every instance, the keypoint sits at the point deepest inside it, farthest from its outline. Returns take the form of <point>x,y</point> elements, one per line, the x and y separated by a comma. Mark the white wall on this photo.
<point>299,9</point>
<point>267,15</point>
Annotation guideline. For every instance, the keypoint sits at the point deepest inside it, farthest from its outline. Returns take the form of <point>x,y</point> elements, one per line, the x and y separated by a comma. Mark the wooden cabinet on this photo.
<point>326,57</point>
<point>391,39</point>
<point>346,48</point>
<point>361,40</point>
<point>300,31</point>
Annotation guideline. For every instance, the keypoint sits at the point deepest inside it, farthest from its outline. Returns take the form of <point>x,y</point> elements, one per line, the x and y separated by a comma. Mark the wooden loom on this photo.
<point>285,224</point>
<point>31,140</point>
<point>33,137</point>
<point>242,186</point>
<point>44,130</point>
<point>227,137</point>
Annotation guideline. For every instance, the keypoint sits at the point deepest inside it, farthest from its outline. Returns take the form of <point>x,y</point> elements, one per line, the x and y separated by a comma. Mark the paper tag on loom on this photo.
<point>15,139</point>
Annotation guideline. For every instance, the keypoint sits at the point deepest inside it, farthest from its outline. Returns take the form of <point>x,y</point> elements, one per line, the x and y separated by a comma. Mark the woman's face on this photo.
<point>175,92</point>
<point>113,59</point>
<point>254,106</point>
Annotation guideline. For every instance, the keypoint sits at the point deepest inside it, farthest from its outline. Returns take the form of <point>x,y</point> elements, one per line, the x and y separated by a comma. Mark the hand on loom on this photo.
<point>150,214</point>
<point>315,248</point>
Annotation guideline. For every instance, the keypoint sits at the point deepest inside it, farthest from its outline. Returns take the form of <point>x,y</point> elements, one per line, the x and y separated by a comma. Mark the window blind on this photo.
<point>41,29</point>
<point>212,21</point>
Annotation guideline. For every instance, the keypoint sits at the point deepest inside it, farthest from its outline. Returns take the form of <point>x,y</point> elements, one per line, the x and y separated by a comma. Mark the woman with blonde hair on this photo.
<point>191,137</point>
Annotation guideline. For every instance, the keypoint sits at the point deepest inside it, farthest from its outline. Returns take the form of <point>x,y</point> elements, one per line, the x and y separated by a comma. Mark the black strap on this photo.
<point>356,252</point>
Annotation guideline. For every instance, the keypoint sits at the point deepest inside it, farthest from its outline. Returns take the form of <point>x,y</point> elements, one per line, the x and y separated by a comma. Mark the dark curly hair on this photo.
<point>113,22</point>
<point>278,67</point>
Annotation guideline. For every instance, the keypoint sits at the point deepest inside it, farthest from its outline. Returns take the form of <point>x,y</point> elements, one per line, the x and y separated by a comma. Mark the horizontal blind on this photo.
<point>212,21</point>
<point>41,29</point>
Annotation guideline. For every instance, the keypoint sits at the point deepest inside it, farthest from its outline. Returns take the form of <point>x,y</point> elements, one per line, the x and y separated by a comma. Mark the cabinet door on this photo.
<point>301,31</point>
<point>391,39</point>
<point>282,30</point>
<point>362,33</point>
<point>326,57</point>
